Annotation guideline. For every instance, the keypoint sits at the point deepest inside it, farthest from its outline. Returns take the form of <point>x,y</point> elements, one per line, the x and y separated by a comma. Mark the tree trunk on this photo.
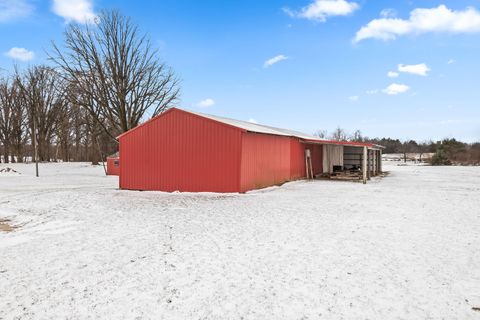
<point>94,150</point>
<point>65,153</point>
<point>5,153</point>
<point>87,141</point>
<point>19,154</point>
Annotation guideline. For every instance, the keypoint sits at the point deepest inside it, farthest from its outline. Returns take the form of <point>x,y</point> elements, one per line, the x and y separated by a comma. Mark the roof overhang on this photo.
<point>341,143</point>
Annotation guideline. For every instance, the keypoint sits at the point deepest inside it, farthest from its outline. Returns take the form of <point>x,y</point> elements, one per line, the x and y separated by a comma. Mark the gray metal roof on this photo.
<point>255,127</point>
<point>259,128</point>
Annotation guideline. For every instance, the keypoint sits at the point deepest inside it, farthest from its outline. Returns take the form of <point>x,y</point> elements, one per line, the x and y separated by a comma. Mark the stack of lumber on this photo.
<point>346,175</point>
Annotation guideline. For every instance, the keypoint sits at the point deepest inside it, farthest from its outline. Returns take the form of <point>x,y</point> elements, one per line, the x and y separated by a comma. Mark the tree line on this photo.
<point>445,152</point>
<point>103,80</point>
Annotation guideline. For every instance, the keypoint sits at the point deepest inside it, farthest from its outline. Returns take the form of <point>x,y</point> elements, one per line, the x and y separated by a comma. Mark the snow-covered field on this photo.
<point>403,247</point>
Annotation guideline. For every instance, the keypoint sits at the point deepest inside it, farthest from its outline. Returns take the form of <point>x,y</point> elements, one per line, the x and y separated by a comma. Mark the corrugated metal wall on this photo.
<point>317,162</point>
<point>186,152</point>
<point>297,159</point>
<point>181,151</point>
<point>317,159</point>
<point>265,160</point>
<point>113,166</point>
<point>352,157</point>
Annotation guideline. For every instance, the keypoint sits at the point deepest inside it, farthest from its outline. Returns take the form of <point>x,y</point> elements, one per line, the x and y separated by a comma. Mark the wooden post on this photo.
<point>306,167</point>
<point>307,156</point>
<point>372,156</point>
<point>380,161</point>
<point>369,165</point>
<point>364,165</point>
<point>374,164</point>
<point>311,167</point>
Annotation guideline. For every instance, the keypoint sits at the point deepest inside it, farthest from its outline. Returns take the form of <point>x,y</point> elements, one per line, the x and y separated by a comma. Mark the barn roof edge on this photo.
<point>256,128</point>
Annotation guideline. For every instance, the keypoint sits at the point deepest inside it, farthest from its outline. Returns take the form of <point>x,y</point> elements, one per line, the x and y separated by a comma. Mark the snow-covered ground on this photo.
<point>403,247</point>
<point>416,157</point>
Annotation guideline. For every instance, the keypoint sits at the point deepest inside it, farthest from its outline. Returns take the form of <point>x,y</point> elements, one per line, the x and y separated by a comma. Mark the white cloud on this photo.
<point>396,88</point>
<point>373,91</point>
<point>422,20</point>
<point>392,74</point>
<point>419,69</point>
<point>319,10</point>
<point>14,9</point>
<point>206,103</point>
<point>388,13</point>
<point>21,54</point>
<point>353,98</point>
<point>451,61</point>
<point>251,120</point>
<point>270,62</point>
<point>74,10</point>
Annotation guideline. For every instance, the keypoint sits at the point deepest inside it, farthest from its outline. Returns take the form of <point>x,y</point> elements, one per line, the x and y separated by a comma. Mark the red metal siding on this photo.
<point>317,158</point>
<point>297,159</point>
<point>265,160</point>
<point>181,151</point>
<point>113,166</point>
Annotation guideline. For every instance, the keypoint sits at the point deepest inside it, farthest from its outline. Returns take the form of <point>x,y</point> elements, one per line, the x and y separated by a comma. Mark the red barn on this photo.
<point>187,151</point>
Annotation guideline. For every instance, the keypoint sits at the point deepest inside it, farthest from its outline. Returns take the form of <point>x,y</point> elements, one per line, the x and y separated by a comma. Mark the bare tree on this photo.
<point>6,114</point>
<point>79,132</point>
<point>339,135</point>
<point>119,75</point>
<point>357,136</point>
<point>19,123</point>
<point>64,133</point>
<point>44,97</point>
<point>12,120</point>
<point>409,146</point>
<point>322,134</point>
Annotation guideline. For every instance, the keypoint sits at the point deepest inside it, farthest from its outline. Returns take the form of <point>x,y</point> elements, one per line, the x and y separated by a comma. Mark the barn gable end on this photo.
<point>181,151</point>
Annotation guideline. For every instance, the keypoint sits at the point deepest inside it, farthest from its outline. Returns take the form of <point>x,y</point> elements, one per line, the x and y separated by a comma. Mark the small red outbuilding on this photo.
<point>113,165</point>
<point>187,151</point>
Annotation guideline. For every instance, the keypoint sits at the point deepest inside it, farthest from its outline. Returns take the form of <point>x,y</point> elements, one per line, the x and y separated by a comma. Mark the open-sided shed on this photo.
<point>188,151</point>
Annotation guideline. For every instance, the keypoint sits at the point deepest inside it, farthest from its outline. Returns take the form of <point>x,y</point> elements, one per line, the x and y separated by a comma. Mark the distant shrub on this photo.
<point>440,158</point>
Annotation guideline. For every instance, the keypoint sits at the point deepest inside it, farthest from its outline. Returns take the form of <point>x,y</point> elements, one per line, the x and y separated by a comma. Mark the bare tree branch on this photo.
<point>118,75</point>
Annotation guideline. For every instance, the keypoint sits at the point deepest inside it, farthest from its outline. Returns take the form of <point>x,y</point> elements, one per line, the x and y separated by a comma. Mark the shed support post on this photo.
<point>374,164</point>
<point>372,159</point>
<point>380,161</point>
<point>369,164</point>
<point>364,165</point>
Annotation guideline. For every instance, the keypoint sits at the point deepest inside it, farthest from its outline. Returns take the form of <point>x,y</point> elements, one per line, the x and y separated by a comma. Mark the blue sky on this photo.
<point>329,59</point>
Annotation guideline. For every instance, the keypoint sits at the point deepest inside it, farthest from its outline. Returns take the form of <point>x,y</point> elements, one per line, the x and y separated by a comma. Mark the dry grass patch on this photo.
<point>5,226</point>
